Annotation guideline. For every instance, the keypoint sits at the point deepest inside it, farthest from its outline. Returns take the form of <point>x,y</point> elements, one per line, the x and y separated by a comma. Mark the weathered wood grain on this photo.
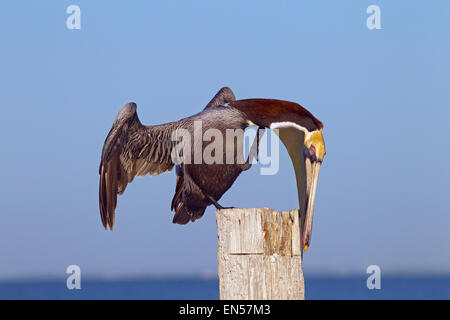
<point>259,254</point>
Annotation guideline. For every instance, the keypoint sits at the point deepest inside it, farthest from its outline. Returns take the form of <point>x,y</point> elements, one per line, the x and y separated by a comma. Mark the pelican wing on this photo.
<point>131,149</point>
<point>224,95</point>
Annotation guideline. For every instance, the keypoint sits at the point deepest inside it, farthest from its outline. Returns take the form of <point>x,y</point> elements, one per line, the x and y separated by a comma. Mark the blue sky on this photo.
<point>383,96</point>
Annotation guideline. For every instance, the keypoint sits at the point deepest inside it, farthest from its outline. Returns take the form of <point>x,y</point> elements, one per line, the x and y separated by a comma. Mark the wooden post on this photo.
<point>259,254</point>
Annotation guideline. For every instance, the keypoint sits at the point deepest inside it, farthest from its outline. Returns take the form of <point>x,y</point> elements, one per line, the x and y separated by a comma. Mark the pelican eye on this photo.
<point>312,151</point>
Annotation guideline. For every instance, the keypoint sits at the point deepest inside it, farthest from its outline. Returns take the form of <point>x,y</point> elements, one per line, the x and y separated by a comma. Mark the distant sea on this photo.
<point>414,287</point>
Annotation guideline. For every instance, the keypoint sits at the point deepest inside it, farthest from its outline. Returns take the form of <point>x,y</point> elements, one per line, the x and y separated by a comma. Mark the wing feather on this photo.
<point>131,149</point>
<point>224,95</point>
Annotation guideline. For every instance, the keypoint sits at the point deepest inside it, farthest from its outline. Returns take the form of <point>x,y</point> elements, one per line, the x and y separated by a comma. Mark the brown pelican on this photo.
<point>132,149</point>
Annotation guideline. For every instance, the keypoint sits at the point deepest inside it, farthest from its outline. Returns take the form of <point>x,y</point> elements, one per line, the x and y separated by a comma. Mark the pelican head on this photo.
<point>301,134</point>
<point>306,150</point>
<point>314,147</point>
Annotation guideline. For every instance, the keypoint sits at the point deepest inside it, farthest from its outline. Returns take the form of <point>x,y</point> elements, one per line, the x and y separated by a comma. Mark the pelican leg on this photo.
<point>216,204</point>
<point>254,149</point>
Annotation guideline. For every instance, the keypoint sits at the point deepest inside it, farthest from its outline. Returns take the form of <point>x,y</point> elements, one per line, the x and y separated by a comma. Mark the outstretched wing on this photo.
<point>224,95</point>
<point>131,149</point>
